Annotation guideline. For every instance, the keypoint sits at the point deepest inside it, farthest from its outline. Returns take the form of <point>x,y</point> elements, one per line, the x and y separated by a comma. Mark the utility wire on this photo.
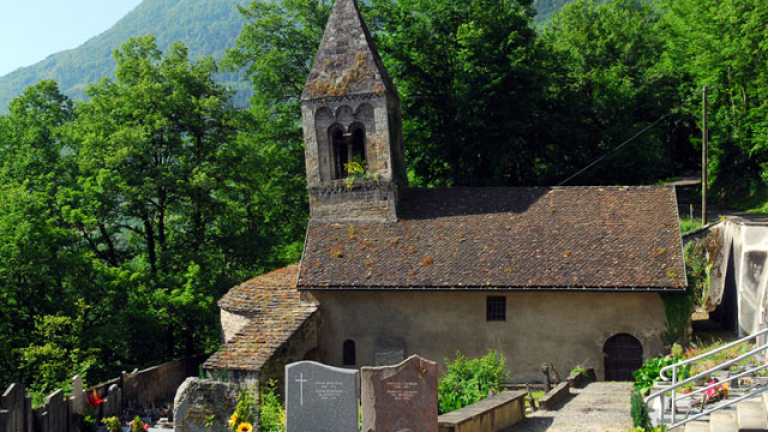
<point>597,161</point>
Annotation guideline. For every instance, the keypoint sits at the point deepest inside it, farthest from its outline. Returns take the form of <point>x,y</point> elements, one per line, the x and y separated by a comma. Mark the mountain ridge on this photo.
<point>207,27</point>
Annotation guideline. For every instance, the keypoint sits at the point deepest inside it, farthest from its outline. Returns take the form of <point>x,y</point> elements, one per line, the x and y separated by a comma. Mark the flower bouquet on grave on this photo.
<point>113,424</point>
<point>139,426</point>
<point>718,392</point>
<point>88,421</point>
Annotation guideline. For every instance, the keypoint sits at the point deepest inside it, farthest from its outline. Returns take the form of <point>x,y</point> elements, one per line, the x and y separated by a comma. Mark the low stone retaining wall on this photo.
<point>489,415</point>
<point>579,380</point>
<point>555,396</point>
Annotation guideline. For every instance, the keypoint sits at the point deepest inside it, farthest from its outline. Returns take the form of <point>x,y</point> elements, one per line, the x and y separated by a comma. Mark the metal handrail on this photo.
<point>717,408</point>
<point>714,385</point>
<point>706,372</point>
<point>675,384</point>
<point>707,354</point>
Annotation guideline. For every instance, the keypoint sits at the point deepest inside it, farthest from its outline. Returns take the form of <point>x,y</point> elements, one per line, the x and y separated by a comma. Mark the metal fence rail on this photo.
<point>674,384</point>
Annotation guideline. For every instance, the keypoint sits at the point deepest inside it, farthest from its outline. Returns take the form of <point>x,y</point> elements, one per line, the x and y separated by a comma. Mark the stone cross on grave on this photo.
<point>301,382</point>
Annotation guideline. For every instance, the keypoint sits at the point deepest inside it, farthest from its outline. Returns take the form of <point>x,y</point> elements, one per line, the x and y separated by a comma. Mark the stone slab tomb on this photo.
<point>400,398</point>
<point>320,398</point>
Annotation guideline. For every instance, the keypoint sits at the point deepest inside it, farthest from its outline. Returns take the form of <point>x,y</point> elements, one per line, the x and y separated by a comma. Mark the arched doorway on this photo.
<point>623,355</point>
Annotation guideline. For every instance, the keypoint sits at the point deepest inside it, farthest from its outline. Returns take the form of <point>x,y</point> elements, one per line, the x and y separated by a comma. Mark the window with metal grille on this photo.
<point>496,309</point>
<point>349,353</point>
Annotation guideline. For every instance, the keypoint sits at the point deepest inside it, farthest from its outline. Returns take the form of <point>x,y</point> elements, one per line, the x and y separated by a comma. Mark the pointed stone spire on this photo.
<point>347,63</point>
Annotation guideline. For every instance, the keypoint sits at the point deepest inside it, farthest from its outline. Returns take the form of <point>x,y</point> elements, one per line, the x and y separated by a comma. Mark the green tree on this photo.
<point>154,148</point>
<point>613,85</point>
<point>722,45</point>
<point>471,82</point>
<point>41,267</point>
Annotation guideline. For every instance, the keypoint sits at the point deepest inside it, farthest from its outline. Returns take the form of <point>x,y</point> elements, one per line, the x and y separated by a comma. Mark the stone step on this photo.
<point>765,401</point>
<point>723,421</point>
<point>751,417</point>
<point>697,426</point>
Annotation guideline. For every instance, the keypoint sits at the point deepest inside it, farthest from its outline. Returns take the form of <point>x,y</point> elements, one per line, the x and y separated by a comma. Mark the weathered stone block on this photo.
<point>200,400</point>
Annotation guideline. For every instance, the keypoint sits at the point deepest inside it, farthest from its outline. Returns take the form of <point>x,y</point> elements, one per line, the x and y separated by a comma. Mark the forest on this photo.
<point>125,217</point>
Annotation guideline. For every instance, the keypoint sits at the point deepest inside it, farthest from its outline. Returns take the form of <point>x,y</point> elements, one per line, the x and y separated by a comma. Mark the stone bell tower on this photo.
<point>351,112</point>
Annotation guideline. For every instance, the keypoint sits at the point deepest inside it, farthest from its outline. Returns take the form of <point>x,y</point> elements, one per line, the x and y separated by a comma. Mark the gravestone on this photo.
<point>320,398</point>
<point>78,399</point>
<point>56,413</point>
<point>388,350</point>
<point>400,398</point>
<point>13,402</point>
<point>199,401</point>
<point>114,404</point>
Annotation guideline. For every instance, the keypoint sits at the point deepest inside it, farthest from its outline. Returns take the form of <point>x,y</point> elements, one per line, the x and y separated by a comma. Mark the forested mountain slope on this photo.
<point>207,27</point>
<point>546,9</point>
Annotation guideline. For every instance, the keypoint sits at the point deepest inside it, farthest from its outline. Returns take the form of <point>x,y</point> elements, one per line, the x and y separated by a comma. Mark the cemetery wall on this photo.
<point>158,385</point>
<point>148,388</point>
<point>562,328</point>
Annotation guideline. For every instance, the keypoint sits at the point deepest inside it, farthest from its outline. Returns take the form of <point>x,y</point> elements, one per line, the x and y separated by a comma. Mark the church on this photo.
<point>564,275</point>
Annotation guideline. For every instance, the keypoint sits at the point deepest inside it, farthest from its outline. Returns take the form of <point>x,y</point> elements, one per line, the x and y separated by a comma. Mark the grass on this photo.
<point>537,394</point>
<point>686,224</point>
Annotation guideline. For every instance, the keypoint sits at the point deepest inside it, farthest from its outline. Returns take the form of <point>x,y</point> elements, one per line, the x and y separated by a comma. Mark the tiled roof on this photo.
<point>609,238</point>
<point>275,301</point>
<point>347,62</point>
<point>262,293</point>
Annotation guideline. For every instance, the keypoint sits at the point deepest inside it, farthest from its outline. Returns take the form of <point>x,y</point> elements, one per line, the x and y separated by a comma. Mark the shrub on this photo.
<point>639,411</point>
<point>271,411</point>
<point>470,381</point>
<point>648,374</point>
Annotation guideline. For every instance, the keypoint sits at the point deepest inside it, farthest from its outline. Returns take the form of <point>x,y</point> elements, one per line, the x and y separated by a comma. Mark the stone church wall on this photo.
<point>565,329</point>
<point>374,199</point>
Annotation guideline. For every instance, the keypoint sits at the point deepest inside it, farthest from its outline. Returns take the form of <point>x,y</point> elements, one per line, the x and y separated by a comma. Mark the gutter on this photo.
<point>681,290</point>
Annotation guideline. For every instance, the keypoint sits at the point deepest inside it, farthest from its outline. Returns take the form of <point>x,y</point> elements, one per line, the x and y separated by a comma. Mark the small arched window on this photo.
<point>349,357</point>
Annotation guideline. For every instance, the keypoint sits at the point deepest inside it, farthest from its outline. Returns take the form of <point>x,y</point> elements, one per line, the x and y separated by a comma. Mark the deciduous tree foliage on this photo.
<point>123,219</point>
<point>723,45</point>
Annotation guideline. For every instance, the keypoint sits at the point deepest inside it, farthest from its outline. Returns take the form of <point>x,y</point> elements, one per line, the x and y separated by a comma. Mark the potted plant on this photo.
<point>88,421</point>
<point>113,424</point>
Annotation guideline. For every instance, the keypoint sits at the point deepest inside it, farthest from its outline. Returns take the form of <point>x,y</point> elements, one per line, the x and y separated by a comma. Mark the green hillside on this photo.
<point>207,27</point>
<point>546,9</point>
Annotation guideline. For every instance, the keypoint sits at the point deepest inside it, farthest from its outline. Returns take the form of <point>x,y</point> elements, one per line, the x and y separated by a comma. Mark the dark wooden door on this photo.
<point>623,355</point>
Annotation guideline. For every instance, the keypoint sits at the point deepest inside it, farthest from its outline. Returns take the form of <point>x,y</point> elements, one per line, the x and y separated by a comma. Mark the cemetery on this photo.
<point>148,394</point>
<point>393,281</point>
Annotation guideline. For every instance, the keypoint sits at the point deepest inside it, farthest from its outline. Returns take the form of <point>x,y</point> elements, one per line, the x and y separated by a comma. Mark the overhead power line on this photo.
<point>635,136</point>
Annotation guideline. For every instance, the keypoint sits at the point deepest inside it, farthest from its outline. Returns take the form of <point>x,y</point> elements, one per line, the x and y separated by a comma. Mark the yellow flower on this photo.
<point>234,420</point>
<point>245,427</point>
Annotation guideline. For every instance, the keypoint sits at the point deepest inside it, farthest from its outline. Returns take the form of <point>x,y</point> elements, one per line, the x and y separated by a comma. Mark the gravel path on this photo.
<point>599,407</point>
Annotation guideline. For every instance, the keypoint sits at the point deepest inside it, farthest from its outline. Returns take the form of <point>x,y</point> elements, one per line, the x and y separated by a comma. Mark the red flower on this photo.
<point>94,399</point>
<point>146,426</point>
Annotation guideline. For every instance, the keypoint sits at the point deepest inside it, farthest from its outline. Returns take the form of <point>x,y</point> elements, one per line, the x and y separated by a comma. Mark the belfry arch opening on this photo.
<point>346,147</point>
